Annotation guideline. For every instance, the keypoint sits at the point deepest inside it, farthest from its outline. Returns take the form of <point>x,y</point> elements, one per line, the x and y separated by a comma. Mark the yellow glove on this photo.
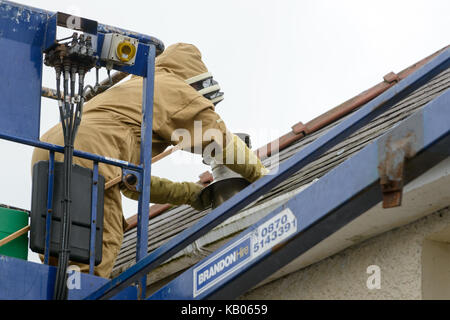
<point>164,191</point>
<point>239,158</point>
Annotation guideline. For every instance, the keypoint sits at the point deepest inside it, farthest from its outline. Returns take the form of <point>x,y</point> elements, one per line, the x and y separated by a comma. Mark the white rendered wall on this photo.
<point>413,260</point>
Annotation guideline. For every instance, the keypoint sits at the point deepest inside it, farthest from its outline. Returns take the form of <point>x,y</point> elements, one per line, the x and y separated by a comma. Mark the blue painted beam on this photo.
<point>317,212</point>
<point>76,153</point>
<point>360,118</point>
<point>146,163</point>
<point>21,39</point>
<point>103,28</point>
<point>94,193</point>
<point>24,280</point>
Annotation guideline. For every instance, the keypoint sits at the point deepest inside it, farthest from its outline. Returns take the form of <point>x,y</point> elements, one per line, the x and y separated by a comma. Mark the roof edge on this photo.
<point>301,130</point>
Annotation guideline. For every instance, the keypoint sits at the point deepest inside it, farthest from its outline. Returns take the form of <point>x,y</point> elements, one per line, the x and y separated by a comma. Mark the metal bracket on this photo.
<point>391,169</point>
<point>132,180</point>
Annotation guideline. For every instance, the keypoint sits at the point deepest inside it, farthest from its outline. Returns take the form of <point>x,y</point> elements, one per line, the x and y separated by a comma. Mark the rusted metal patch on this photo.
<point>393,150</point>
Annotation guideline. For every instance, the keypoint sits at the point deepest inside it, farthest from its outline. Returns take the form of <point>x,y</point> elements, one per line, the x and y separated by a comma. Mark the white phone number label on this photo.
<point>273,232</point>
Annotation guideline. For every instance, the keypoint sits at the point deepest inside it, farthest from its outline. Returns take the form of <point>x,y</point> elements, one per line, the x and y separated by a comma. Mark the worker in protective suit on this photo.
<point>111,127</point>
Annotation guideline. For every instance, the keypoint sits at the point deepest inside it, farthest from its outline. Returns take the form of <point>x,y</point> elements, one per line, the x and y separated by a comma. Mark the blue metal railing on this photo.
<point>18,36</point>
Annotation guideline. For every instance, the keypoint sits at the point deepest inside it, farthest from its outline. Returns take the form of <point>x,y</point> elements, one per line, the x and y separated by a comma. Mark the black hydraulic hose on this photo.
<point>72,104</point>
<point>71,60</point>
<point>59,280</point>
<point>80,103</point>
<point>58,94</point>
<point>66,102</point>
<point>61,106</point>
<point>69,104</point>
<point>61,291</point>
<point>73,82</point>
<point>60,276</point>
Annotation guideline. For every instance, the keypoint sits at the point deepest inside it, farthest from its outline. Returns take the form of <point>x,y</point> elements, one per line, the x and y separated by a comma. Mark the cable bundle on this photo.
<point>70,59</point>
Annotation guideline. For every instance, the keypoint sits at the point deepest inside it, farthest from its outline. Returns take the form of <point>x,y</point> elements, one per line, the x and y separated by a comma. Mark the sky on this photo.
<point>278,62</point>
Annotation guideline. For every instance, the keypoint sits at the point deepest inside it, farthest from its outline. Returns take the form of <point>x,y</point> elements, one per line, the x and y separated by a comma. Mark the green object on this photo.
<point>11,221</point>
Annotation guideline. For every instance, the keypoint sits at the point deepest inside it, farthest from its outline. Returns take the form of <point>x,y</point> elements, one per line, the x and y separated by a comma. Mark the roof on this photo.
<point>165,223</point>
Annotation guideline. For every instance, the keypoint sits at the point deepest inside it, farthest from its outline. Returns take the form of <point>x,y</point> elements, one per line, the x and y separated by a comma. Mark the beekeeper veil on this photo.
<point>185,60</point>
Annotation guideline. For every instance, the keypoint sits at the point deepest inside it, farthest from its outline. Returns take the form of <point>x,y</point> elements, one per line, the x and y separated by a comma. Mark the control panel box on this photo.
<point>119,49</point>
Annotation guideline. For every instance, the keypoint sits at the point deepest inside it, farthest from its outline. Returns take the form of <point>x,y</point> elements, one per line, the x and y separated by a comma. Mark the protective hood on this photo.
<point>183,60</point>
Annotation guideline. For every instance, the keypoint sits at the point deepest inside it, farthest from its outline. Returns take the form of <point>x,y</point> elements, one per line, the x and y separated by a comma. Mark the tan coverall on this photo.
<point>111,127</point>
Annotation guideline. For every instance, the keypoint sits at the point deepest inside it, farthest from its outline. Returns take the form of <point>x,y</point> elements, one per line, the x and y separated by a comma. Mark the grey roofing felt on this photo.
<point>172,222</point>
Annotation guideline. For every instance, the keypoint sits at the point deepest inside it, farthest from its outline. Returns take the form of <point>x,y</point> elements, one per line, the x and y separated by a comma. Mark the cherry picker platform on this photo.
<point>406,151</point>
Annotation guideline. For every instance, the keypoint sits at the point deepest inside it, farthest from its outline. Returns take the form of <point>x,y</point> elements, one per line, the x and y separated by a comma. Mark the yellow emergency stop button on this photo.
<point>126,51</point>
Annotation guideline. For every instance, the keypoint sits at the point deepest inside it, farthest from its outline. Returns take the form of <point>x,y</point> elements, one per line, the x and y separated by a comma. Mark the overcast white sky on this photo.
<point>278,62</point>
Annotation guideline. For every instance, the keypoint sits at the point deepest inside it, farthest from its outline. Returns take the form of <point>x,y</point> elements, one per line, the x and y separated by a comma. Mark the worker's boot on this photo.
<point>239,158</point>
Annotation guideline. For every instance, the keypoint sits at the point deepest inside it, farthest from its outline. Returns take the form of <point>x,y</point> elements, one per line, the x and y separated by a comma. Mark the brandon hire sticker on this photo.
<point>273,232</point>
<point>244,250</point>
<point>222,264</point>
